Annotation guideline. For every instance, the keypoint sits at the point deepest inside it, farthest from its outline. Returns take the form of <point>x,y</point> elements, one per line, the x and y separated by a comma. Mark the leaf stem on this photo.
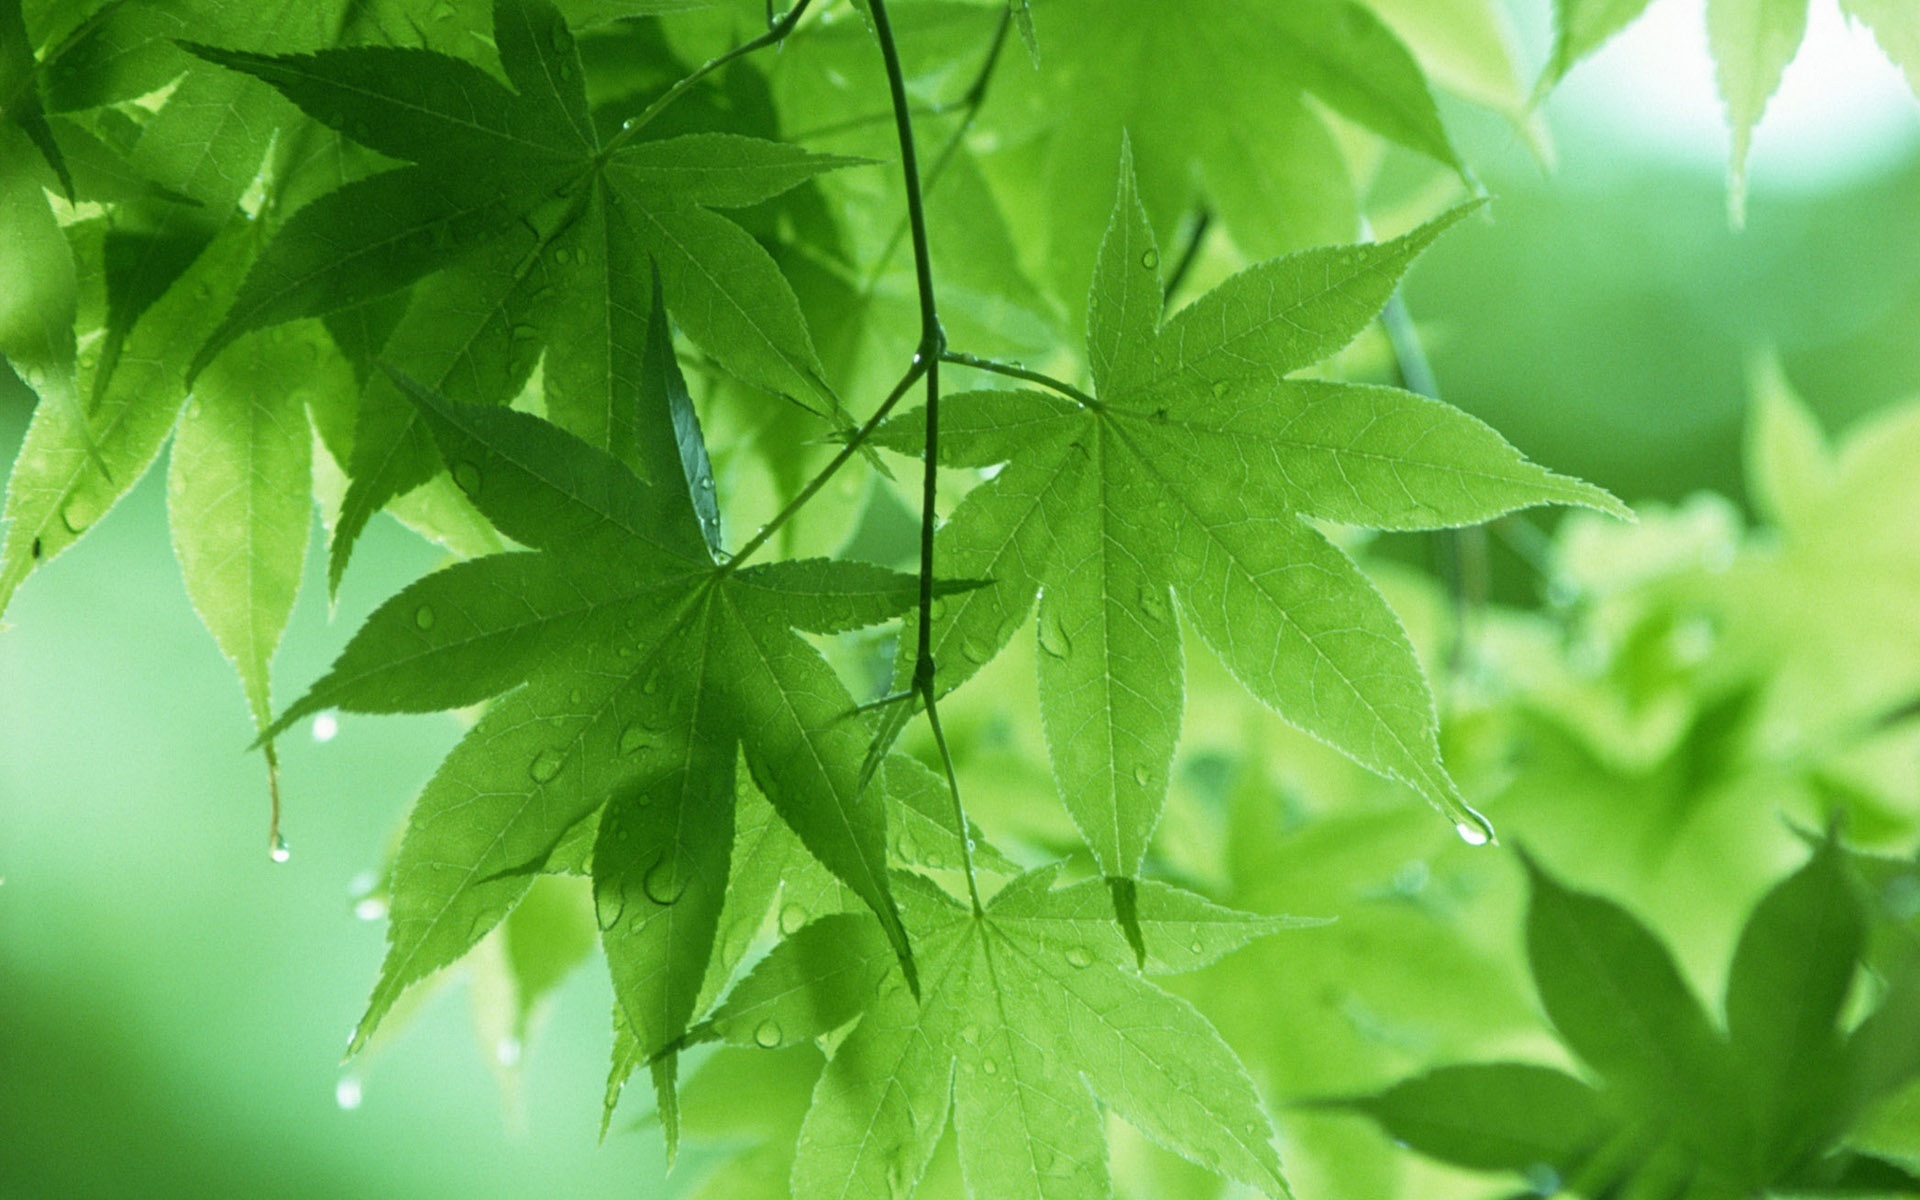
<point>1015,371</point>
<point>777,31</point>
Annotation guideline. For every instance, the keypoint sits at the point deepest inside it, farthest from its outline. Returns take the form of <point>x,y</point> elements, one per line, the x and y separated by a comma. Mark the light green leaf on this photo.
<point>1579,28</point>
<point>70,472</point>
<point>1896,26</point>
<point>239,495</point>
<point>1279,316</point>
<point>1190,474</point>
<point>1030,1010</point>
<point>1752,43</point>
<point>1790,470</point>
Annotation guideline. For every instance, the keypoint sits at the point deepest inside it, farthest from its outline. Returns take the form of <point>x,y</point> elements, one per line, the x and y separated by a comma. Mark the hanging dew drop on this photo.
<point>346,1093</point>
<point>507,1051</point>
<point>1474,834</point>
<point>278,851</point>
<point>326,726</point>
<point>370,908</point>
<point>767,1035</point>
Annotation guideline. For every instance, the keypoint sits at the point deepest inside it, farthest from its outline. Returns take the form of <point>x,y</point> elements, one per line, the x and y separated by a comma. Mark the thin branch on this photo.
<point>968,105</point>
<point>933,344</point>
<point>856,441</point>
<point>1465,549</point>
<point>1195,240</point>
<point>777,31</point>
<point>1016,371</point>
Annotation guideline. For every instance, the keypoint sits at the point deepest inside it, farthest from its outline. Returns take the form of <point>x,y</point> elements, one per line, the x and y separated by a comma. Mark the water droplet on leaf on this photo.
<point>423,616</point>
<point>80,512</point>
<point>546,765</point>
<point>767,1035</point>
<point>1053,636</point>
<point>1150,259</point>
<point>792,917</point>
<point>634,739</point>
<point>664,882</point>
<point>466,477</point>
<point>1079,957</point>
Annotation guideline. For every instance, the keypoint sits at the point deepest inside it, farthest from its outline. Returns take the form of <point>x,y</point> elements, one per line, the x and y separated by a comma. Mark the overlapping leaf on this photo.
<point>632,667</point>
<point>1684,1109</point>
<point>1189,474</point>
<point>1029,1011</point>
<point>1265,159</point>
<point>539,234</point>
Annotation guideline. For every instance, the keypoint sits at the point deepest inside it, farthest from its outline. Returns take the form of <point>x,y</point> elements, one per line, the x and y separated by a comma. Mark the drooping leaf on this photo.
<point>653,664</point>
<point>1896,27</point>
<point>1030,1009</point>
<point>1579,28</point>
<point>1752,43</point>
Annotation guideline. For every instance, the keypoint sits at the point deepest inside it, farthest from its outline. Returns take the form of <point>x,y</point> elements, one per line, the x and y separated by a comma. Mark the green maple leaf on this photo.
<point>1264,159</point>
<point>636,672</point>
<point>1188,475</point>
<point>1684,1108</point>
<point>530,231</point>
<point>1030,1009</point>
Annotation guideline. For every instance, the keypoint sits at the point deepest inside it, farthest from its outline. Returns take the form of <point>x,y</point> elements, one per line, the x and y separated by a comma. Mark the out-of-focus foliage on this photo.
<point>605,304</point>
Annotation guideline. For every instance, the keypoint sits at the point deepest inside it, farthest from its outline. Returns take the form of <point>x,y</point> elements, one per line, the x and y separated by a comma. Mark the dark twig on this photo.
<point>933,343</point>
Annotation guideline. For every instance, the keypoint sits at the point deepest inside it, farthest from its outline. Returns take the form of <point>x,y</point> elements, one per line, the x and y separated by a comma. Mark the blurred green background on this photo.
<point>173,1005</point>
